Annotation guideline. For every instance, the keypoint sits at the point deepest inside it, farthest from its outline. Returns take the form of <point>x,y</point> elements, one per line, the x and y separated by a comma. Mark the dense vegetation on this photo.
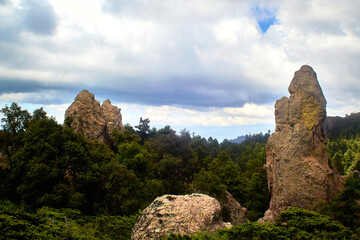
<point>54,183</point>
<point>16,222</point>
<point>344,144</point>
<point>294,223</point>
<point>44,164</point>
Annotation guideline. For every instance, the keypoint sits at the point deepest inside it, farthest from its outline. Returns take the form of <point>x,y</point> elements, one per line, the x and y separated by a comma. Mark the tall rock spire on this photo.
<point>296,154</point>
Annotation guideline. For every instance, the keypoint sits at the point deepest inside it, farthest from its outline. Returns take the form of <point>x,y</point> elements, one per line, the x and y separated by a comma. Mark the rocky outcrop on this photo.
<point>296,154</point>
<point>93,120</point>
<point>178,214</point>
<point>234,209</point>
<point>112,115</point>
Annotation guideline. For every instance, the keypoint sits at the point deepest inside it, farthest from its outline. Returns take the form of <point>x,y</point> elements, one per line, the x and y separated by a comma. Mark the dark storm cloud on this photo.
<point>34,16</point>
<point>198,91</point>
<point>39,17</point>
<point>18,85</point>
<point>64,93</point>
<point>180,97</point>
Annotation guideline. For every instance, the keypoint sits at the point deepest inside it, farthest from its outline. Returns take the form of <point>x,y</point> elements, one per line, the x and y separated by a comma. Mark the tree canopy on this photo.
<point>47,167</point>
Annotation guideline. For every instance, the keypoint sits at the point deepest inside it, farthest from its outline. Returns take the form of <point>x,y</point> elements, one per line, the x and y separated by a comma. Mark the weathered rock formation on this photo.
<point>235,210</point>
<point>178,214</point>
<point>93,120</point>
<point>297,160</point>
<point>112,115</point>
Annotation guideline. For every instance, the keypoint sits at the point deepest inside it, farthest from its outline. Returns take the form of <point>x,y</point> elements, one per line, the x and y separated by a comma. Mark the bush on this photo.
<point>50,223</point>
<point>345,208</point>
<point>294,223</point>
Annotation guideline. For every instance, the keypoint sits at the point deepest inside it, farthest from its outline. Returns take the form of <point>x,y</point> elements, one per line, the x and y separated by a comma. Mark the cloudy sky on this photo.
<point>214,67</point>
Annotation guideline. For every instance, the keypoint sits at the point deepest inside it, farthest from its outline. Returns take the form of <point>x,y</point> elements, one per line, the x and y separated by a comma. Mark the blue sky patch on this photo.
<point>265,16</point>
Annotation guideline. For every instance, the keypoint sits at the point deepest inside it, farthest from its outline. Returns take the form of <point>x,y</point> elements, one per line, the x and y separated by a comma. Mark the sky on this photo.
<point>214,67</point>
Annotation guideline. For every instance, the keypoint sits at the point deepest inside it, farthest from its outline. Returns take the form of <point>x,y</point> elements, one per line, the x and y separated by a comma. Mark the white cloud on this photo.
<point>254,110</point>
<point>179,116</point>
<point>236,31</point>
<point>197,53</point>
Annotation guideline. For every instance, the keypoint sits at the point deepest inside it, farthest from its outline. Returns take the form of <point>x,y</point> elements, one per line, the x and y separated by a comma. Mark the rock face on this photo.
<point>178,214</point>
<point>93,120</point>
<point>296,154</point>
<point>235,211</point>
<point>112,115</point>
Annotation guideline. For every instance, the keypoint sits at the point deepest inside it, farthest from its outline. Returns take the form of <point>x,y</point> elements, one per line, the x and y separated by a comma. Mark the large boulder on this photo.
<point>91,119</point>
<point>296,154</point>
<point>178,214</point>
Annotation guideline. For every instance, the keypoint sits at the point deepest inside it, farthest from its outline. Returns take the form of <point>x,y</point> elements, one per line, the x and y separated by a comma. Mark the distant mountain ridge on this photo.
<point>256,137</point>
<point>333,127</point>
<point>342,126</point>
<point>239,139</point>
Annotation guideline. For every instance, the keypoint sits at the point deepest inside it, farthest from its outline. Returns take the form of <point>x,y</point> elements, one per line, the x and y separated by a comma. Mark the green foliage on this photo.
<point>344,154</point>
<point>74,188</point>
<point>346,208</point>
<point>119,184</point>
<point>294,223</point>
<point>127,136</point>
<point>39,114</point>
<point>143,129</point>
<point>255,230</point>
<point>257,195</point>
<point>313,224</point>
<point>50,165</point>
<point>49,223</point>
<point>68,121</point>
<point>135,157</point>
<point>115,227</point>
<point>223,174</point>
<point>15,223</point>
<point>46,166</point>
<point>15,119</point>
<point>209,183</point>
<point>344,143</point>
<point>344,127</point>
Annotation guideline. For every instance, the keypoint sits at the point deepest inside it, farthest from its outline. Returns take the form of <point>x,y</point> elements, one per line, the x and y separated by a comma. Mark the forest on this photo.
<point>56,184</point>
